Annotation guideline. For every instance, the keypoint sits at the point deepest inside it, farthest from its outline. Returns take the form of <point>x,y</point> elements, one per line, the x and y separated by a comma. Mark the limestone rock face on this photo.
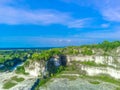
<point>108,63</point>
<point>92,71</point>
<point>35,68</point>
<point>109,60</point>
<point>112,65</point>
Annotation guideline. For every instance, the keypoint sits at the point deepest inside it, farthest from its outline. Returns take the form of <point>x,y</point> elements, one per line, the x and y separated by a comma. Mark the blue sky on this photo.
<point>50,23</point>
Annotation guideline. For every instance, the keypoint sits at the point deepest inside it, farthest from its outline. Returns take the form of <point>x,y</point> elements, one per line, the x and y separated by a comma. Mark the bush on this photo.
<point>20,70</point>
<point>87,51</point>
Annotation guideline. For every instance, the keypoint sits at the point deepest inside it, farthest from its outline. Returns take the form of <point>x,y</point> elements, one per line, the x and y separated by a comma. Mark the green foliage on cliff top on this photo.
<point>86,51</point>
<point>46,54</point>
<point>105,45</point>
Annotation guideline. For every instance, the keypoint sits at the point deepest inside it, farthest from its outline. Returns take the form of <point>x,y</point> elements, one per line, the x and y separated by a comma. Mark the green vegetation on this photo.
<point>17,79</point>
<point>2,59</point>
<point>43,81</point>
<point>106,45</point>
<point>102,77</point>
<point>107,78</point>
<point>9,85</point>
<point>86,51</point>
<point>12,82</point>
<point>71,50</point>
<point>9,55</point>
<point>92,63</point>
<point>37,54</point>
<point>21,70</point>
<point>73,69</point>
<point>52,75</point>
<point>94,82</point>
<point>68,77</point>
<point>60,69</point>
<point>89,63</point>
<point>46,54</point>
<point>118,88</point>
<point>27,62</point>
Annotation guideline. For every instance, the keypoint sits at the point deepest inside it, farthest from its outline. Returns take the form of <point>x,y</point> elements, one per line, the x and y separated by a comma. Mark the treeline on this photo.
<point>105,45</point>
<point>5,55</point>
<point>75,50</point>
<point>46,54</point>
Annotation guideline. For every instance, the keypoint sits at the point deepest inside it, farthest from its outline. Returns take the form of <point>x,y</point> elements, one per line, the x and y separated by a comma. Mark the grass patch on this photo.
<point>21,70</point>
<point>94,82</point>
<point>68,77</point>
<point>92,63</point>
<point>12,82</point>
<point>118,88</point>
<point>70,72</point>
<point>48,79</point>
<point>8,85</point>
<point>15,78</point>
<point>42,82</point>
<point>103,77</point>
<point>107,78</point>
<point>71,68</point>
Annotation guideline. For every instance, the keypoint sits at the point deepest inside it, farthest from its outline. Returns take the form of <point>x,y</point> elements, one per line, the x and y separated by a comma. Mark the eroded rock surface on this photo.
<point>78,84</point>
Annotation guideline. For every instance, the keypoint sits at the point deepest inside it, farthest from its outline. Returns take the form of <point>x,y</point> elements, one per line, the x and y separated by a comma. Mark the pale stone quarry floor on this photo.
<point>24,85</point>
<point>78,84</point>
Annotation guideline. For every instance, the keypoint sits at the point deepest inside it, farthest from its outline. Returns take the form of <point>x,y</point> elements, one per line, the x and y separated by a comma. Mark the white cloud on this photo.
<point>20,16</point>
<point>112,14</point>
<point>105,25</point>
<point>13,16</point>
<point>109,9</point>
<point>79,23</point>
<point>100,35</point>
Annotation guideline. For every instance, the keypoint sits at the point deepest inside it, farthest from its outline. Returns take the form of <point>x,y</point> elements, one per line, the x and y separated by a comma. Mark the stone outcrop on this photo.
<point>112,64</point>
<point>35,68</point>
